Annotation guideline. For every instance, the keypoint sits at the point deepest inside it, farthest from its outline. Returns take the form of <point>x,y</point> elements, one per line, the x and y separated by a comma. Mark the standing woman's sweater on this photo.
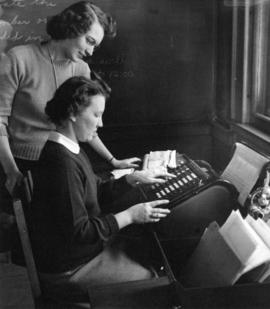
<point>28,80</point>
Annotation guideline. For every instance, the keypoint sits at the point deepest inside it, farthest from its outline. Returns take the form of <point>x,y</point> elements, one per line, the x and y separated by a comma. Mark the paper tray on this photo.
<point>240,295</point>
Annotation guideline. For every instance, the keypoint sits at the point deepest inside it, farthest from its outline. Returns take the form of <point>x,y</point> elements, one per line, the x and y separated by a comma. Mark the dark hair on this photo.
<point>77,19</point>
<point>72,97</point>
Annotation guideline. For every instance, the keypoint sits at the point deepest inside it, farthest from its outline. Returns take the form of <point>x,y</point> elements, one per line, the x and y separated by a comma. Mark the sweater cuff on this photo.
<point>112,223</point>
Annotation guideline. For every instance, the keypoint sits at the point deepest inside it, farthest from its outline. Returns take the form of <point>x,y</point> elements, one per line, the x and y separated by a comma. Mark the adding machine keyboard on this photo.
<point>190,179</point>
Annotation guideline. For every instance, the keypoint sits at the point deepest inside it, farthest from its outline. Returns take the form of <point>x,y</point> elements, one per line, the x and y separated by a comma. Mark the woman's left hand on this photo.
<point>126,163</point>
<point>157,175</point>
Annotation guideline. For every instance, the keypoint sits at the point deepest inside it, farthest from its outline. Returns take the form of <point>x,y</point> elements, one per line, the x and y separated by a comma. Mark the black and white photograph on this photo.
<point>134,154</point>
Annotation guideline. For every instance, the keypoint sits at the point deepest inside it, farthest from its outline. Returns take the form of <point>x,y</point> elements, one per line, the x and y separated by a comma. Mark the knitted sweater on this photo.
<point>67,227</point>
<point>27,83</point>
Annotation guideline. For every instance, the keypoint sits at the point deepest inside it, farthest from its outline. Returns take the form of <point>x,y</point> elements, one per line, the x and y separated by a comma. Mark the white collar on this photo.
<point>65,141</point>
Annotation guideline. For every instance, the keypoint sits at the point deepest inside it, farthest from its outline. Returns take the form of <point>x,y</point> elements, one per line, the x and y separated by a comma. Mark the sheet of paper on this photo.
<point>261,228</point>
<point>158,158</point>
<point>263,231</point>
<point>162,158</point>
<point>172,161</point>
<point>118,173</point>
<point>239,236</point>
<point>244,169</point>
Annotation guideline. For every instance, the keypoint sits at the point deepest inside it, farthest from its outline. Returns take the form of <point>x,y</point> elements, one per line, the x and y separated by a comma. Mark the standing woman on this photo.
<point>30,75</point>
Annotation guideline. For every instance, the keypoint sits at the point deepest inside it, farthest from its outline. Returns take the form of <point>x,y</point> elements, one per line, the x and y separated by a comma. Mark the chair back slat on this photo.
<point>25,196</point>
<point>30,183</point>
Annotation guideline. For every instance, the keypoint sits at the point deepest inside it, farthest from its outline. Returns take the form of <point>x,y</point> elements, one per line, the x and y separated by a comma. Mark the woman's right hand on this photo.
<point>148,212</point>
<point>13,177</point>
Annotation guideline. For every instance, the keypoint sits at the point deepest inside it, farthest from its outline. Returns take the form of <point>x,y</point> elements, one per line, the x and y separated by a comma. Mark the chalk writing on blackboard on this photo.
<point>17,21</point>
<point>116,74</point>
<point>17,36</point>
<point>41,20</point>
<point>113,60</point>
<point>27,18</point>
<point>121,74</point>
<point>23,3</point>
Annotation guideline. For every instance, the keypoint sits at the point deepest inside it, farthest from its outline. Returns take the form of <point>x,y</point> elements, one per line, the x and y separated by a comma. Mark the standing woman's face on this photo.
<point>84,45</point>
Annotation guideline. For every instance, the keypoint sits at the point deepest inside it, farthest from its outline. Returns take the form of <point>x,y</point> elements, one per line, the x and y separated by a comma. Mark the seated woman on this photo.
<point>74,240</point>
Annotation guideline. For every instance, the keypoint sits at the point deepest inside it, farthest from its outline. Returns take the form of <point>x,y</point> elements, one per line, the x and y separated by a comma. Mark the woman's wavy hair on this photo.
<point>73,97</point>
<point>77,19</point>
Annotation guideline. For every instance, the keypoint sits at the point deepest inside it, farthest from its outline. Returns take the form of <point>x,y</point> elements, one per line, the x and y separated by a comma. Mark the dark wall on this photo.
<point>162,73</point>
<point>161,61</point>
<point>221,132</point>
<point>161,67</point>
<point>224,52</point>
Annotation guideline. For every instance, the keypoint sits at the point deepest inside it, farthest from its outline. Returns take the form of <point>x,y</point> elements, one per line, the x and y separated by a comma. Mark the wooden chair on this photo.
<point>101,297</point>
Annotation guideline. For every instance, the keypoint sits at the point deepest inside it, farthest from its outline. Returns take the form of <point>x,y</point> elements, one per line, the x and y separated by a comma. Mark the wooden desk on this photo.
<point>142,294</point>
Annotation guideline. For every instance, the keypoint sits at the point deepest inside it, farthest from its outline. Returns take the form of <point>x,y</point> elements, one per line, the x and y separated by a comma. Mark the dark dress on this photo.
<point>73,240</point>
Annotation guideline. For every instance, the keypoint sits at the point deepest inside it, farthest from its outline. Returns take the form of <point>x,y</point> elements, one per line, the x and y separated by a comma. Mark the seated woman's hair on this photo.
<point>77,19</point>
<point>72,97</point>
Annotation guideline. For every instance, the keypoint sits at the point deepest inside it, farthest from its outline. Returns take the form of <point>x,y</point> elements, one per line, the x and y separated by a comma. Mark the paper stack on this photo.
<point>241,247</point>
<point>163,158</point>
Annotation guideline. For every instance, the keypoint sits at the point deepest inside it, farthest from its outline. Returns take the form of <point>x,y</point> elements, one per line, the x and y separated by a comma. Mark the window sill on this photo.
<point>252,136</point>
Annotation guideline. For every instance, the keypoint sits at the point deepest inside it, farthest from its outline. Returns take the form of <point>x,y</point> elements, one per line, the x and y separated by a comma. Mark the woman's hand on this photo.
<point>149,176</point>
<point>125,163</point>
<point>148,212</point>
<point>13,177</point>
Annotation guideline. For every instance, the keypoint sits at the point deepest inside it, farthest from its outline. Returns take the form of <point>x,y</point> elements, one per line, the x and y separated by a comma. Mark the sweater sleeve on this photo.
<point>9,81</point>
<point>110,190</point>
<point>73,203</point>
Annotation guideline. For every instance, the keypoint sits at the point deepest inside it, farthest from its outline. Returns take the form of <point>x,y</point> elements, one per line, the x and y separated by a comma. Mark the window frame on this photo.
<point>260,64</point>
<point>249,63</point>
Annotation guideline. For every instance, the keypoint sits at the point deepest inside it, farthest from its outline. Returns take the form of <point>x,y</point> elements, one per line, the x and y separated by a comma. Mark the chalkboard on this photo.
<point>160,65</point>
<point>28,19</point>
